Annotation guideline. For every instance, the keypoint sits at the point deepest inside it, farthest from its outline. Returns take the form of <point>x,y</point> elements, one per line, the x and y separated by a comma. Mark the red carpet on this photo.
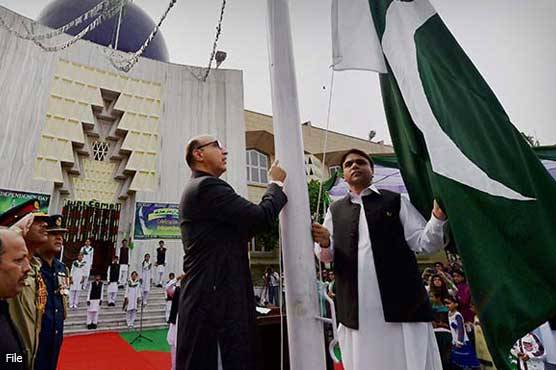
<point>108,351</point>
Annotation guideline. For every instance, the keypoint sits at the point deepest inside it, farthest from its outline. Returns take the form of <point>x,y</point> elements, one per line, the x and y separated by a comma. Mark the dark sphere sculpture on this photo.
<point>135,27</point>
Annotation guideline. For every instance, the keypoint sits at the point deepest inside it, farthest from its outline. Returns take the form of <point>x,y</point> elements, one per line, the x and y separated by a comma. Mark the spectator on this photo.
<point>272,279</point>
<point>481,349</point>
<point>529,352</point>
<point>441,328</point>
<point>464,296</point>
<point>463,353</point>
<point>438,286</point>
<point>439,267</point>
<point>426,276</point>
<point>14,267</point>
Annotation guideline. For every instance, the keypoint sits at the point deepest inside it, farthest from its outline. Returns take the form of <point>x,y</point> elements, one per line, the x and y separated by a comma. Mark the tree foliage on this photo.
<point>271,238</point>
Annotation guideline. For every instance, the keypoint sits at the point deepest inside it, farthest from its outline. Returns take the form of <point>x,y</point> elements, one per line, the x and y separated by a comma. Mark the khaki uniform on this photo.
<point>26,310</point>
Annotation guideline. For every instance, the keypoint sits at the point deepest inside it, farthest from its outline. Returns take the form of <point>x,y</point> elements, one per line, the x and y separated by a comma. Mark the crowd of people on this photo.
<point>428,318</point>
<point>37,290</point>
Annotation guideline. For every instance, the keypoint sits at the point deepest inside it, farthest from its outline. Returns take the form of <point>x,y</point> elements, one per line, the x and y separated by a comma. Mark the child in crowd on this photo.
<point>463,354</point>
<point>441,328</point>
<point>529,352</point>
<point>132,295</point>
<point>481,349</point>
<point>94,301</point>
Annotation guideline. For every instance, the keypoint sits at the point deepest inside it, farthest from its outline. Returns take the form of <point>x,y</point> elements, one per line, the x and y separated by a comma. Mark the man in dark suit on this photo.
<point>217,304</point>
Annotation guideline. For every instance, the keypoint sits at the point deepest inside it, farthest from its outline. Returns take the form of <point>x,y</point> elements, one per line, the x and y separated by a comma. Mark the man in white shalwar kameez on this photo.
<point>378,344</point>
<point>77,272</point>
<point>88,254</point>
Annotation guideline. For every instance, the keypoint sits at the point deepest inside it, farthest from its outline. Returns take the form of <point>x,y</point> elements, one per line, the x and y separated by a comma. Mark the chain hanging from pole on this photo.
<point>101,7</point>
<point>126,63</point>
<point>93,25</point>
<point>204,77</point>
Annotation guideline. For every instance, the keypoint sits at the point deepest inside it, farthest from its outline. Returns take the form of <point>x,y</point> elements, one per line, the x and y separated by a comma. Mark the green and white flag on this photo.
<point>455,142</point>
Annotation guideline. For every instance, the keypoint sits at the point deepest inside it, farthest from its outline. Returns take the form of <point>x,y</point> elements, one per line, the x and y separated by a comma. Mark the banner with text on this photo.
<point>156,221</point>
<point>12,198</point>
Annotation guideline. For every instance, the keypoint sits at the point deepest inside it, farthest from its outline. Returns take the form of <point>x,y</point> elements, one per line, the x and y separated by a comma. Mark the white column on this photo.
<point>305,333</point>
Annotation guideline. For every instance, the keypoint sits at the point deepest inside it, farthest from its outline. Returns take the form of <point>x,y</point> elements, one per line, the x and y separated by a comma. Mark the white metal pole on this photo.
<point>118,28</point>
<point>305,332</point>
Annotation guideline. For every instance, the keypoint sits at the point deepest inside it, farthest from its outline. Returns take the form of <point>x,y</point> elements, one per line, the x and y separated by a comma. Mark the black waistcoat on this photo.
<point>96,290</point>
<point>404,298</point>
<point>124,255</point>
<point>114,273</point>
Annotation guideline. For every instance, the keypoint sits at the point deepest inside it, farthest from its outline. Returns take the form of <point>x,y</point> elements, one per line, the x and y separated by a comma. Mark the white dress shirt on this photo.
<point>380,345</point>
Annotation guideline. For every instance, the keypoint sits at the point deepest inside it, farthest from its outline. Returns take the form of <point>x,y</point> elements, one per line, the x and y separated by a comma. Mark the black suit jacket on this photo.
<point>217,303</point>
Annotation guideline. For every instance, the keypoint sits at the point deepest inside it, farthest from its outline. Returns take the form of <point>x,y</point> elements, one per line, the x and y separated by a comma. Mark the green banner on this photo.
<point>12,198</point>
<point>156,221</point>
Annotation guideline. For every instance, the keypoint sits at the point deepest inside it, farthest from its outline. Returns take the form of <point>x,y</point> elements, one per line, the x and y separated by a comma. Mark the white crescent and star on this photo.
<point>403,19</point>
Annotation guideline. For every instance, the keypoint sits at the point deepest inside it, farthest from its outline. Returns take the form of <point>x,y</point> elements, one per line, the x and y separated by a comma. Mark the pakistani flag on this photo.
<point>455,142</point>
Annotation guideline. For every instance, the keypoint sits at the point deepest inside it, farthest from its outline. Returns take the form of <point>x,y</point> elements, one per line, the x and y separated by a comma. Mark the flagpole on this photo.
<point>305,333</point>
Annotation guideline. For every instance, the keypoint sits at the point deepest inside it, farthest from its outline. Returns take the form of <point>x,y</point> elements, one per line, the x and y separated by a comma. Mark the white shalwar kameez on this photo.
<point>381,345</point>
<point>170,288</point>
<point>93,308</point>
<point>88,253</point>
<point>112,289</point>
<point>77,271</point>
<point>146,277</point>
<point>133,294</point>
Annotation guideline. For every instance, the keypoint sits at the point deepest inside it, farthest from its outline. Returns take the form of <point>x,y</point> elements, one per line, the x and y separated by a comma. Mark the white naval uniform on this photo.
<point>77,271</point>
<point>133,294</point>
<point>88,253</point>
<point>146,277</point>
<point>378,344</point>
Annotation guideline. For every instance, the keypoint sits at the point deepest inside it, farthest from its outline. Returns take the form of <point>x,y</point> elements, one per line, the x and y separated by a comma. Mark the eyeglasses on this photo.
<point>216,143</point>
<point>359,162</point>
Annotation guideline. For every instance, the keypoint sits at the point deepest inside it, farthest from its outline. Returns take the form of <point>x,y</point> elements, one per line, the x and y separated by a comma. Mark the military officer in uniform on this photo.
<point>56,277</point>
<point>27,308</point>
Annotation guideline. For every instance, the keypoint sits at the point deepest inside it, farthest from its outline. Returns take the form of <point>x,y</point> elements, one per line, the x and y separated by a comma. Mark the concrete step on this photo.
<point>113,318</point>
<point>119,327</point>
<point>106,314</point>
<point>121,291</point>
<point>120,301</point>
<point>147,317</point>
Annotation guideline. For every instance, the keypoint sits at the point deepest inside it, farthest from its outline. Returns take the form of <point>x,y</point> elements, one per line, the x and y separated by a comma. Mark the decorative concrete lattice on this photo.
<point>76,89</point>
<point>100,150</point>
